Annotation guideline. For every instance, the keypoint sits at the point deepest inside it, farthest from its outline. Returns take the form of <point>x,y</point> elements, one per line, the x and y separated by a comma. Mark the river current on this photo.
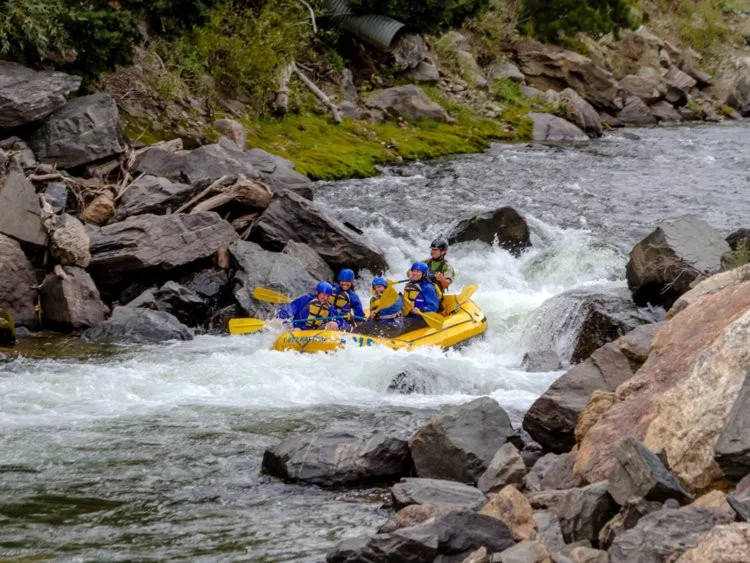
<point>154,453</point>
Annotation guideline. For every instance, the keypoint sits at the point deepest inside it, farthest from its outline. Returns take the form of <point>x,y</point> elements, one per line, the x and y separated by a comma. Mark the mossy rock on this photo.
<point>7,329</point>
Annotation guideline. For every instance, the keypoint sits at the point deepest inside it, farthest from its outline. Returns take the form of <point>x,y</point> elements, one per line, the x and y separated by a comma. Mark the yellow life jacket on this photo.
<point>342,300</point>
<point>375,306</point>
<point>411,292</point>
<point>319,314</point>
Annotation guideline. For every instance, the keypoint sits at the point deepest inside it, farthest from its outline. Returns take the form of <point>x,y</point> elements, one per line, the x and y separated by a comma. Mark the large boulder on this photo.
<point>504,224</point>
<point>314,263</point>
<point>650,88</point>
<point>292,217</point>
<point>584,511</point>
<point>436,492</point>
<point>664,535</point>
<point>632,511</point>
<point>407,102</point>
<point>636,112</point>
<point>664,112</point>
<point>384,547</point>
<point>27,96</point>
<point>461,441</point>
<point>338,458</point>
<point>506,468</point>
<point>21,212</point>
<point>729,543</point>
<point>122,251</point>
<point>69,242</point>
<point>581,113</point>
<point>736,79</point>
<point>664,264</point>
<point>548,127</point>
<point>260,268</point>
<point>85,130</point>
<point>151,194</point>
<point>71,300</point>
<point>732,450</point>
<point>186,305</point>
<point>142,326</point>
<point>17,282</point>
<point>682,398</point>
<point>631,51</point>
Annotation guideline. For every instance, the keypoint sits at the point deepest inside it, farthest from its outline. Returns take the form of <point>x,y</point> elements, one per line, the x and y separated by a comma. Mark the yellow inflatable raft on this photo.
<point>466,323</point>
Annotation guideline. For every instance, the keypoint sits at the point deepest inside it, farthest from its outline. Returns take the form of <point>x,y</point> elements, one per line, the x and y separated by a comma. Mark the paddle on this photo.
<point>464,296</point>
<point>270,296</point>
<point>245,326</point>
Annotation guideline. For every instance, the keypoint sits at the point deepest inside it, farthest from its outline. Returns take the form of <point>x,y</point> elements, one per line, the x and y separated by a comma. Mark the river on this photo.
<point>153,453</point>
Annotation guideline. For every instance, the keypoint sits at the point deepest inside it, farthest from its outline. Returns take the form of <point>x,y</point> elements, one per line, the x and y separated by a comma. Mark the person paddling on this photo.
<point>311,311</point>
<point>386,322</point>
<point>346,302</point>
<point>438,266</point>
<point>419,296</point>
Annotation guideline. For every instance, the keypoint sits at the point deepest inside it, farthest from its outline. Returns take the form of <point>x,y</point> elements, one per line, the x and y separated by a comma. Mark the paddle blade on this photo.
<point>270,296</point>
<point>466,294</point>
<point>433,320</point>
<point>389,297</point>
<point>245,326</point>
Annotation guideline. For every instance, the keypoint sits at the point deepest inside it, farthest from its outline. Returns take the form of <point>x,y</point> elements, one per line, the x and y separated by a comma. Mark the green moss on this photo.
<point>144,130</point>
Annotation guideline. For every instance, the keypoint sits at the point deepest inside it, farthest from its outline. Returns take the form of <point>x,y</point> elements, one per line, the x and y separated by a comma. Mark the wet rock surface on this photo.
<point>505,225</point>
<point>142,326</point>
<point>436,492</point>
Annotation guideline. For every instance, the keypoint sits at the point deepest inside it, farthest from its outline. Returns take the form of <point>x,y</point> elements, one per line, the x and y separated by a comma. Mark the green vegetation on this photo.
<point>428,16</point>
<point>561,20</point>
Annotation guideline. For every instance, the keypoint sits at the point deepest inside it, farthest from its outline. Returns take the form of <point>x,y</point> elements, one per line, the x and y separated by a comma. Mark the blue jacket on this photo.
<point>391,315</point>
<point>353,306</point>
<point>426,299</point>
<point>299,312</point>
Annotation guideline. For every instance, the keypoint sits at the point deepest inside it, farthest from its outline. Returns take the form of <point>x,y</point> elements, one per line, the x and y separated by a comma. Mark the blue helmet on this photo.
<point>420,267</point>
<point>324,287</point>
<point>346,275</point>
<point>379,281</point>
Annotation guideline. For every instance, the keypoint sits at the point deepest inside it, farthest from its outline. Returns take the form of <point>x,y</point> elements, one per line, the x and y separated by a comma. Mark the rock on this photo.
<point>636,344</point>
<point>664,535</point>
<point>279,173</point>
<point>664,112</point>
<point>350,88</point>
<point>436,492</point>
<point>729,543</point>
<point>505,69</point>
<point>7,330</point>
<point>100,210</point>
<point>583,512</point>
<point>27,96</point>
<point>681,399</point>
<point>17,283</point>
<point>584,554</point>
<point>527,552</point>
<point>548,127</point>
<point>710,286</point>
<point>553,417</point>
<point>740,504</point>
<point>639,473</point>
<point>478,556</point>
<point>71,302</point>
<point>69,242</point>
<point>548,529</point>
<point>384,547</point>
<point>260,268</point>
<point>316,266</point>
<point>20,217</point>
<point>715,499</point>
<point>56,194</point>
<point>461,441</point>
<point>732,449</point>
<point>677,98</point>
<point>678,79</point>
<point>121,251</point>
<point>649,88</point>
<point>559,475</point>
<point>599,403</point>
<point>533,479</point>
<point>233,130</point>
<point>627,518</point>
<point>210,162</point>
<point>407,102</point>
<point>636,112</point>
<point>23,156</point>
<point>546,500</point>
<point>504,224</point>
<point>581,113</point>
<point>209,284</point>
<point>633,51</point>
<point>664,264</point>
<point>736,76</point>
<point>151,194</point>
<point>292,217</point>
<point>85,130</point>
<point>739,239</point>
<point>408,51</point>
<point>506,468</point>
<point>470,70</point>
<point>334,459</point>
<point>184,304</point>
<point>511,507</point>
<point>424,72</point>
<point>139,326</point>
<point>547,67</point>
<point>161,163</point>
<point>413,515</point>
<point>541,361</point>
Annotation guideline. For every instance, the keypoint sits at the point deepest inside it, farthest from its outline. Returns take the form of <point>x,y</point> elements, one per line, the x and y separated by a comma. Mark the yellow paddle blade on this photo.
<point>245,326</point>
<point>466,294</point>
<point>389,297</point>
<point>270,296</point>
<point>433,320</point>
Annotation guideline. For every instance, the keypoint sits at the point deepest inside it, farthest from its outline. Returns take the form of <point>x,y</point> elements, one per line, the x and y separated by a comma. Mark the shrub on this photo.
<point>29,29</point>
<point>427,16</point>
<point>557,21</point>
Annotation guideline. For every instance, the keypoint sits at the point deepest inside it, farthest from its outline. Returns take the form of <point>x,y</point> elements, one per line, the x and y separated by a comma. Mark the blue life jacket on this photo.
<point>392,315</point>
<point>307,312</point>
<point>421,295</point>
<point>347,303</point>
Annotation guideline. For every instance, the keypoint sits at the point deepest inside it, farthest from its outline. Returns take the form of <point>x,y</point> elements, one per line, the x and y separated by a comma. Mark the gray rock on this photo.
<point>678,98</point>
<point>280,173</point>
<point>665,535</point>
<point>333,459</point>
<point>210,162</point>
<point>17,282</point>
<point>209,284</point>
<point>506,468</point>
<point>526,552</point>
<point>233,130</point>
<point>408,51</point>
<point>461,441</point>
<point>505,69</point>
<point>470,70</point>
<point>732,449</point>
<point>665,263</point>
<point>159,162</point>
<point>350,88</point>
<point>20,217</point>
<point>407,102</point>
<point>627,518</point>
<point>505,225</point>
<point>151,194</point>
<point>292,217</point>
<point>664,112</point>
<point>541,361</point>
<point>56,194</point>
<point>737,79</point>
<point>184,304</point>
<point>260,268</point>
<point>424,72</point>
<point>85,130</point>
<point>650,89</point>
<point>548,127</point>
<point>27,96</point>
<point>636,112</point>
<point>533,479</point>
<point>559,475</point>
<point>679,79</point>
<point>636,344</point>
<point>141,326</point>
<point>546,500</point>
<point>72,302</point>
<point>436,492</point>
<point>316,266</point>
<point>740,503</point>
<point>639,473</point>
<point>581,113</point>
<point>586,554</point>
<point>69,242</point>
<point>548,529</point>
<point>384,547</point>
<point>583,512</point>
<point>122,251</point>
<point>739,238</point>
